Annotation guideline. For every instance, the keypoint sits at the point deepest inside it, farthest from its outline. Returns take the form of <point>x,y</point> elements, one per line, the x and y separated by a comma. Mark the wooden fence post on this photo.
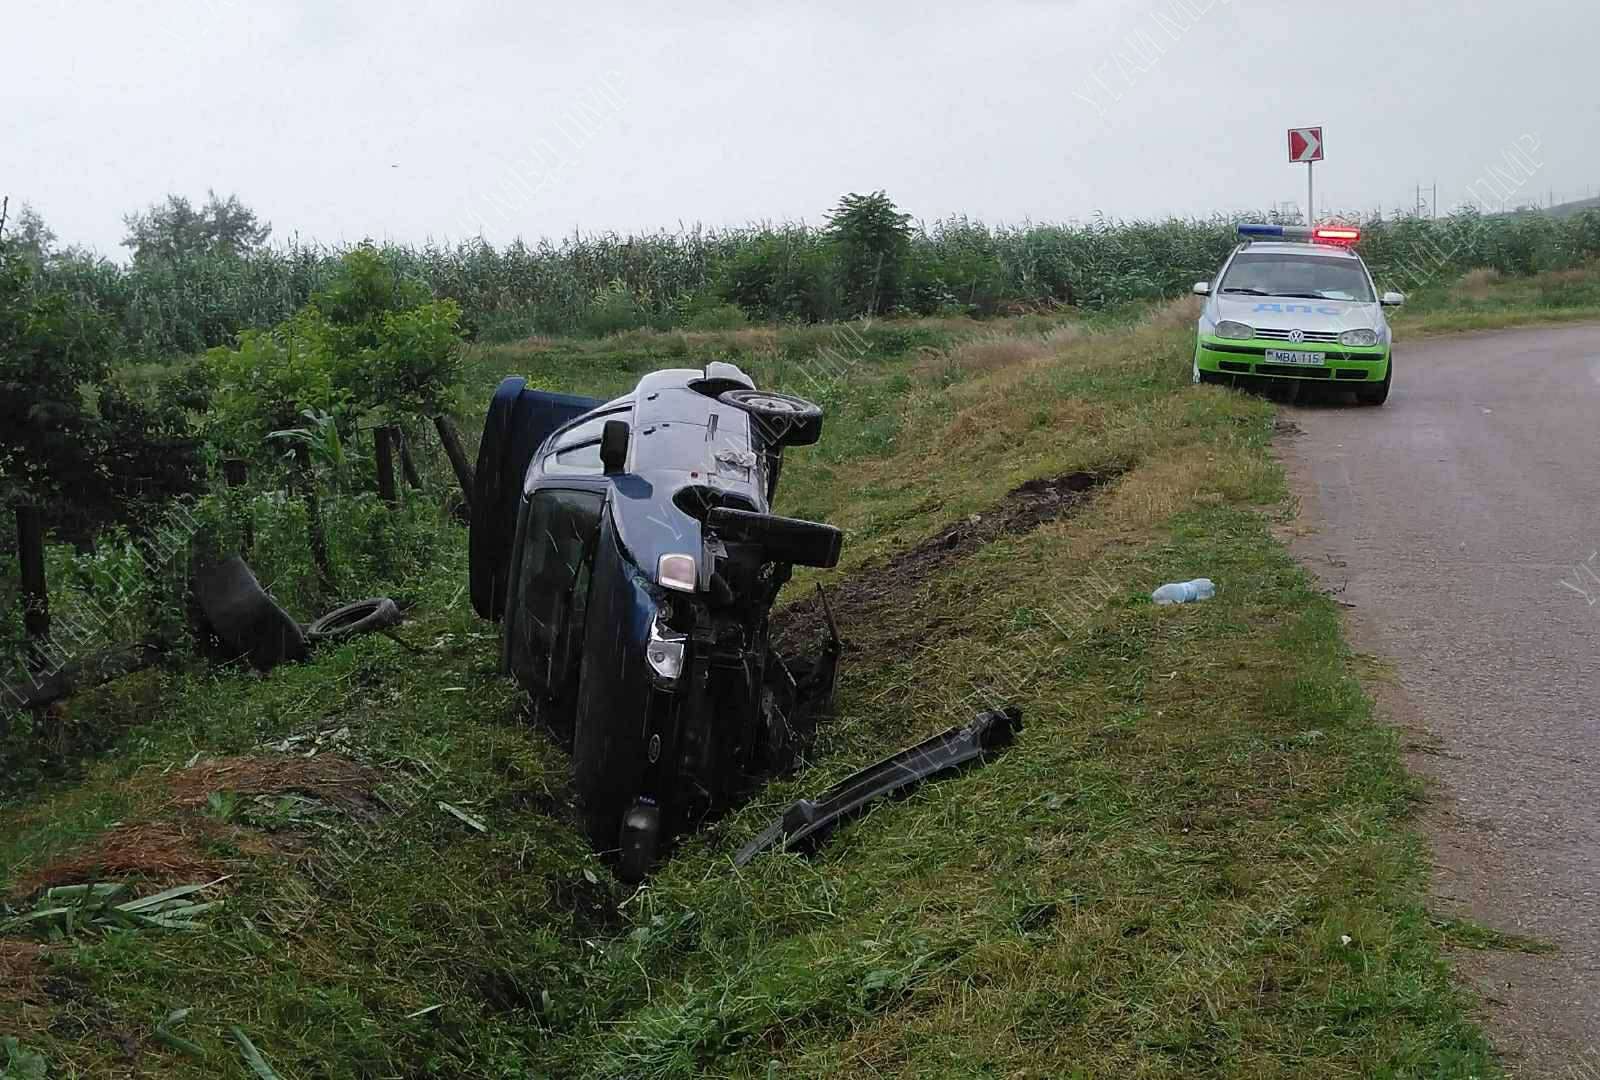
<point>384,437</point>
<point>35,592</point>
<point>408,464</point>
<point>451,438</point>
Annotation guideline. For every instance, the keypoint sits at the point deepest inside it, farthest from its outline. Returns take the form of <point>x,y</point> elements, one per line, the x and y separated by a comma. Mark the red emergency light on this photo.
<point>1335,235</point>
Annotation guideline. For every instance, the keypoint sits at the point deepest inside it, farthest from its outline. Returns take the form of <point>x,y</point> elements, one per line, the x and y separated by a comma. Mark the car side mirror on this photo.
<point>1202,288</point>
<point>1392,299</point>
<point>614,446</point>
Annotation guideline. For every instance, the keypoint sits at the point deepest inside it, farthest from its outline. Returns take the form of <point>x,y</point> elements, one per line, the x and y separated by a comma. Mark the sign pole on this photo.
<point>1310,204</point>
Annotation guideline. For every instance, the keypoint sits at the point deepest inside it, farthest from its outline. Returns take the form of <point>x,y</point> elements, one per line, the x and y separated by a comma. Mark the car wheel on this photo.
<point>786,420</point>
<point>1377,395</point>
<point>639,842</point>
<point>607,762</point>
<point>1210,378</point>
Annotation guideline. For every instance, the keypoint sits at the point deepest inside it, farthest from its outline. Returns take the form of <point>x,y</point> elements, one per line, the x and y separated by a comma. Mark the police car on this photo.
<point>1294,302</point>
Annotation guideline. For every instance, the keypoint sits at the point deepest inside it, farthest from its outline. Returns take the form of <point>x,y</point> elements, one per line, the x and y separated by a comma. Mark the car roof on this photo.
<point>1334,251</point>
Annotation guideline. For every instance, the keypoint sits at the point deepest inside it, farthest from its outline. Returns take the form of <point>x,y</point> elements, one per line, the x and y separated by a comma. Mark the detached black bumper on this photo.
<point>809,821</point>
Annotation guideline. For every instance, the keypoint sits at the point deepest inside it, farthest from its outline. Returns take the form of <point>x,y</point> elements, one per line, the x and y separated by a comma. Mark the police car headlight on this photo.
<point>1358,337</point>
<point>1229,329</point>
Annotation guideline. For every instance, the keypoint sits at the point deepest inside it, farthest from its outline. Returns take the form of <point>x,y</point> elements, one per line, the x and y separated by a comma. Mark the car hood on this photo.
<point>1289,313</point>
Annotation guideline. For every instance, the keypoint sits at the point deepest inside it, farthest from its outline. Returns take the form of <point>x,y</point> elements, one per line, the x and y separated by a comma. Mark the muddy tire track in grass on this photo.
<point>880,608</point>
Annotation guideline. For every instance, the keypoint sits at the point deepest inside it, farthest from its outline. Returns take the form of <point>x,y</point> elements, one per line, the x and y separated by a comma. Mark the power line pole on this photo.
<point>1434,210</point>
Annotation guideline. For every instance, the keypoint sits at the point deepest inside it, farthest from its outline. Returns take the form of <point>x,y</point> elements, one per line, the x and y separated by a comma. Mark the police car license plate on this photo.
<point>1294,356</point>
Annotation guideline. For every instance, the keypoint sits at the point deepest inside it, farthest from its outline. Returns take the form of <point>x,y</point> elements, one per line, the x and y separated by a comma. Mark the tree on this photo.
<point>397,355</point>
<point>28,235</point>
<point>173,230</point>
<point>52,353</point>
<point>871,239</point>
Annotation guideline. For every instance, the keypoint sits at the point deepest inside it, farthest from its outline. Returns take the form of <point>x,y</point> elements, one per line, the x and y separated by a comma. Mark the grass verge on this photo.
<point>1488,300</point>
<point>1196,860</point>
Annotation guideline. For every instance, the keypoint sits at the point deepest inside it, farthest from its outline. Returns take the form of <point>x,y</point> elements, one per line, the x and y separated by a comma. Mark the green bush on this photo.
<point>616,308</point>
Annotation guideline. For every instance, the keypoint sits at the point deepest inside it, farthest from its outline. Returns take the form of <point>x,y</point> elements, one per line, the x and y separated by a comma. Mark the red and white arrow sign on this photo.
<point>1305,144</point>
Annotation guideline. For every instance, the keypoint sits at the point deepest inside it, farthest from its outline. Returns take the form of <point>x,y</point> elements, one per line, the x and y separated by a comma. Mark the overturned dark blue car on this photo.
<point>629,551</point>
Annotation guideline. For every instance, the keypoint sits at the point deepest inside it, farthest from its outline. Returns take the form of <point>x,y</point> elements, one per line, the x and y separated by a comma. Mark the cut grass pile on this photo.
<point>1195,860</point>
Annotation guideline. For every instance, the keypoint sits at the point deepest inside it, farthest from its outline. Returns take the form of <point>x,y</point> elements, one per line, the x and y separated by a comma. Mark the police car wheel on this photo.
<point>1377,395</point>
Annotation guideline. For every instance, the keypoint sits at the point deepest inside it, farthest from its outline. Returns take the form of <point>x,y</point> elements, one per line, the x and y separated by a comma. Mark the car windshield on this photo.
<point>1262,273</point>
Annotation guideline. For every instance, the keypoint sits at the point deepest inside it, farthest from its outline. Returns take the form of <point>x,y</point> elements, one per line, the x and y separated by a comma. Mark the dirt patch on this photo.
<point>332,778</point>
<point>159,852</point>
<point>875,605</point>
<point>503,991</point>
<point>592,903</point>
<point>22,973</point>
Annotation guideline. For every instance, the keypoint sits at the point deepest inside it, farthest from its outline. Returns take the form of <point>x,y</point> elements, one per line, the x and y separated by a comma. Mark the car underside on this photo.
<point>628,550</point>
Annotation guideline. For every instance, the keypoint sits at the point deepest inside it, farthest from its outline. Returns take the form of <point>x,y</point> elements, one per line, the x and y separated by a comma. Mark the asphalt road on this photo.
<point>1451,518</point>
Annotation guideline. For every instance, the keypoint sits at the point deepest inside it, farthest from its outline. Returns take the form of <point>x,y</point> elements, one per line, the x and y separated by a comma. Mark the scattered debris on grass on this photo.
<point>332,778</point>
<point>252,1056</point>
<point>464,817</point>
<point>64,910</point>
<point>166,1036</point>
<point>161,853</point>
<point>312,743</point>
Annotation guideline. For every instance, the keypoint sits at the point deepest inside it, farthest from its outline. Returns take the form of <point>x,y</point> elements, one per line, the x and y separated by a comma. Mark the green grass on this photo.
<point>1484,300</point>
<point>1197,860</point>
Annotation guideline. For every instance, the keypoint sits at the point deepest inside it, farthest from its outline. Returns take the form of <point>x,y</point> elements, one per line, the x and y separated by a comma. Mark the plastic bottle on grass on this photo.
<point>1181,592</point>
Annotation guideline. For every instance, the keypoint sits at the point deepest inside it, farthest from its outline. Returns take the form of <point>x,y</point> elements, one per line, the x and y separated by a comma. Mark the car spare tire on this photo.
<point>782,419</point>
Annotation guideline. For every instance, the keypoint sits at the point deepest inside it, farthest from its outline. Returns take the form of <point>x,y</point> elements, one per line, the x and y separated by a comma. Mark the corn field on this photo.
<point>603,283</point>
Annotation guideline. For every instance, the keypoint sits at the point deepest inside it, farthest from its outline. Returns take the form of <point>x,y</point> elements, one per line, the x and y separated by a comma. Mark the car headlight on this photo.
<point>664,652</point>
<point>676,572</point>
<point>1358,337</point>
<point>1229,329</point>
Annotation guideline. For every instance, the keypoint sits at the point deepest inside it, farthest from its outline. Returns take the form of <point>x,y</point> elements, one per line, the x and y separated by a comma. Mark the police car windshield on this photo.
<point>1263,273</point>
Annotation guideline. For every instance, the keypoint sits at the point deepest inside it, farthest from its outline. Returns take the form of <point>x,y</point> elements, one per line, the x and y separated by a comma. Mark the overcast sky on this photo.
<point>343,119</point>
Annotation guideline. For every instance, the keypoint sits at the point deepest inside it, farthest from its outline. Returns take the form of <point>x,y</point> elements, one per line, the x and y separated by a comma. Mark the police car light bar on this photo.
<point>1326,234</point>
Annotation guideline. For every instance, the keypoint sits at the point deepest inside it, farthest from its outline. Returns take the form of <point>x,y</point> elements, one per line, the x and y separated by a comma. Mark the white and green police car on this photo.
<point>1293,302</point>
